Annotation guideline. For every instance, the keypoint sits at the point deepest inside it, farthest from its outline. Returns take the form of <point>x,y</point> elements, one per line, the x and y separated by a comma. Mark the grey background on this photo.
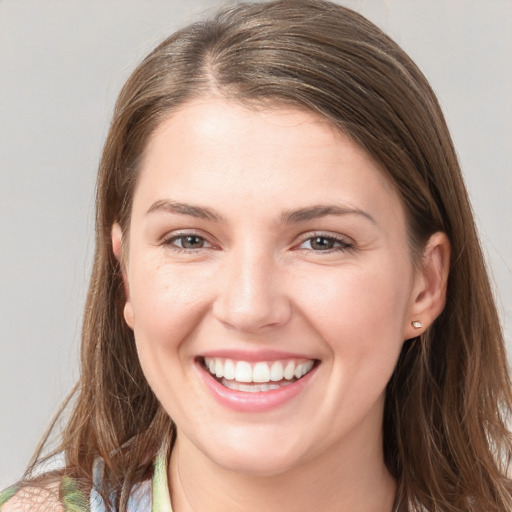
<point>61,66</point>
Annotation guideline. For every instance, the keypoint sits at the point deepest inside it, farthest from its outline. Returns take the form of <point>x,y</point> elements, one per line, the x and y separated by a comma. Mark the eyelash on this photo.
<point>342,243</point>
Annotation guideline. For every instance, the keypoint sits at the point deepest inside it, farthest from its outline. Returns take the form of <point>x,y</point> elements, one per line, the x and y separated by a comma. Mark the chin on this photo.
<point>257,464</point>
<point>256,453</point>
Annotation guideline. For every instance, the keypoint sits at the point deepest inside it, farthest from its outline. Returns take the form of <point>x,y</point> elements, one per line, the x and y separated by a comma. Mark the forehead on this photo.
<point>226,154</point>
<point>208,121</point>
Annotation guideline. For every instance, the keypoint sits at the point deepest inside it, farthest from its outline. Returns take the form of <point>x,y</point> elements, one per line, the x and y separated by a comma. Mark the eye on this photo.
<point>187,242</point>
<point>322,243</point>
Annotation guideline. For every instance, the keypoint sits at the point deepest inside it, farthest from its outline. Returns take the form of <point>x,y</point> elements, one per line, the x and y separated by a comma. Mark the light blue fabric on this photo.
<point>149,496</point>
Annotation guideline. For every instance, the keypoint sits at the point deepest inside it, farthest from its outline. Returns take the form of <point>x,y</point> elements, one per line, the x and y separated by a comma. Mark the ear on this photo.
<point>429,293</point>
<point>117,238</point>
<point>117,241</point>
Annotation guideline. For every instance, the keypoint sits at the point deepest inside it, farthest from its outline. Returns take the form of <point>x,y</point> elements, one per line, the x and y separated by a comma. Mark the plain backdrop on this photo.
<point>62,63</point>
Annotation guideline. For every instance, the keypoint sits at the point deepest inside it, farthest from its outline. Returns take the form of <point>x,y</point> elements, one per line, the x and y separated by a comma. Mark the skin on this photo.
<point>252,282</point>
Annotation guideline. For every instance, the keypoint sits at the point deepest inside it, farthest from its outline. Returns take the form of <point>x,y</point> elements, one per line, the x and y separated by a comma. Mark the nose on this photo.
<point>251,296</point>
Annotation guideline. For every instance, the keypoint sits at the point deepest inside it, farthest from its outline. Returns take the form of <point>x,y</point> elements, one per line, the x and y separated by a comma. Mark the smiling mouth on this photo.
<point>256,377</point>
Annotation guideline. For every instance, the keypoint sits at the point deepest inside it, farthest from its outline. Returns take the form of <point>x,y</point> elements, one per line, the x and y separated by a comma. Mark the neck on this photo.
<point>351,477</point>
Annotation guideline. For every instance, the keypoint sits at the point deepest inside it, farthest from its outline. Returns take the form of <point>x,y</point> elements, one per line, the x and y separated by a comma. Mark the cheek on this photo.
<point>162,300</point>
<point>357,296</point>
<point>166,309</point>
<point>360,313</point>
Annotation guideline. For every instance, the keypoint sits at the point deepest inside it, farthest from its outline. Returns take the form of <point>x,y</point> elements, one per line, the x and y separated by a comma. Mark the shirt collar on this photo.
<point>161,498</point>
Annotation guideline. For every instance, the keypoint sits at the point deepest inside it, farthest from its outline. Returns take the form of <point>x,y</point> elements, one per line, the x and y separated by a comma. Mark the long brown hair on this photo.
<point>447,404</point>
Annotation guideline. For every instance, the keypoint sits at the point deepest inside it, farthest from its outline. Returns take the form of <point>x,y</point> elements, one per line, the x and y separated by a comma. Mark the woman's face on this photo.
<point>264,246</point>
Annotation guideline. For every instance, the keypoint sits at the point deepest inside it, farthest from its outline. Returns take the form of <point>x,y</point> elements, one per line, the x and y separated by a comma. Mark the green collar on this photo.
<point>161,501</point>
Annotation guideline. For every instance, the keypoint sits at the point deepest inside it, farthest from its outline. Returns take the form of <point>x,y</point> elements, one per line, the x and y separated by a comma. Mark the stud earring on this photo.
<point>416,324</point>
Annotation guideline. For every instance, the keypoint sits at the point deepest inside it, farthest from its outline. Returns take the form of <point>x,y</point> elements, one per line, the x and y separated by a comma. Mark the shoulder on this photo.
<point>32,498</point>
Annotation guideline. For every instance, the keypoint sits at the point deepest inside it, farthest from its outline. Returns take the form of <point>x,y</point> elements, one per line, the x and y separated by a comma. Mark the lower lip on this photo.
<point>260,401</point>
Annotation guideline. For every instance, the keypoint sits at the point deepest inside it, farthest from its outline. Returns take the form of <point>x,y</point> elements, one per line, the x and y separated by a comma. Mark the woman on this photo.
<point>289,306</point>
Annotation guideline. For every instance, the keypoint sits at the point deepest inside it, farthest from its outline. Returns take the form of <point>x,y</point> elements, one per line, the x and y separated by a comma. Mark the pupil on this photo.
<point>192,242</point>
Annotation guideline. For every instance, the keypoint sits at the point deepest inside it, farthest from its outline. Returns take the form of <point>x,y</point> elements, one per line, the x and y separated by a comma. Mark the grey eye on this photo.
<point>323,243</point>
<point>188,242</point>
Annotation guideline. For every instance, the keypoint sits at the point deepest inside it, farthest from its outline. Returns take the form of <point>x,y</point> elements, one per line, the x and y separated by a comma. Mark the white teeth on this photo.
<point>289,371</point>
<point>276,372</point>
<point>302,369</point>
<point>243,371</point>
<point>248,388</point>
<point>306,367</point>
<point>262,372</point>
<point>229,369</point>
<point>219,368</point>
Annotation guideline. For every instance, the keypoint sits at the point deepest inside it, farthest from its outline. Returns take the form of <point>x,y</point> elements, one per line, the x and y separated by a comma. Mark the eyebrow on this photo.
<point>185,209</point>
<point>287,217</point>
<point>317,211</point>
